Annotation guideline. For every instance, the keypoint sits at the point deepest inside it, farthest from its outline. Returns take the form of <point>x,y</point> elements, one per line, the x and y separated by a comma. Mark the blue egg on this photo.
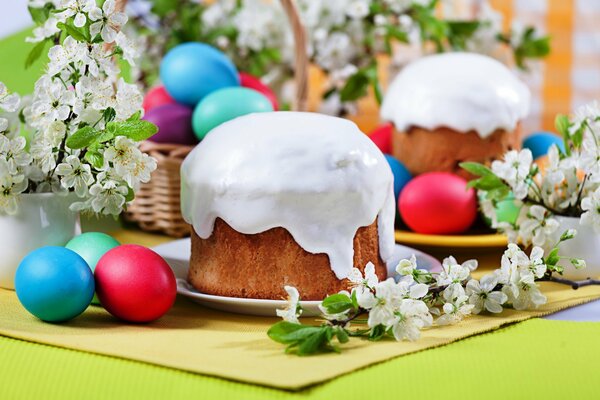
<point>401,174</point>
<point>193,70</point>
<point>539,143</point>
<point>54,283</point>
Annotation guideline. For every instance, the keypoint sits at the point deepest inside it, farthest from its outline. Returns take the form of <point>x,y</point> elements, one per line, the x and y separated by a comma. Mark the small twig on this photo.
<point>574,284</point>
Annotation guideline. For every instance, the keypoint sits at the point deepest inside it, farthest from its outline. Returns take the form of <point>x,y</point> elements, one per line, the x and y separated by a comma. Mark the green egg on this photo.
<point>507,210</point>
<point>91,246</point>
<point>226,104</point>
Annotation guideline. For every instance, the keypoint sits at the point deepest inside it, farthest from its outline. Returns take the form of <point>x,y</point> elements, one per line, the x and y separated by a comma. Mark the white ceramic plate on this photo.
<point>177,254</point>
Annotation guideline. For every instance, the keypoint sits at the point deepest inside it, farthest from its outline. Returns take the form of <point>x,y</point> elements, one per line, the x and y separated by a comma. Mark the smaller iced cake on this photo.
<point>286,198</point>
<point>454,107</point>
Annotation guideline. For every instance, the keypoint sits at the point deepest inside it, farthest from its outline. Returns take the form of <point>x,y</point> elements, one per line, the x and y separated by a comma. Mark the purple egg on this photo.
<point>174,122</point>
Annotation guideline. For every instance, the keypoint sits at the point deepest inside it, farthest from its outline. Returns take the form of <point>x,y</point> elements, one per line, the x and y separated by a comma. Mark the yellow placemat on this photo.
<point>236,347</point>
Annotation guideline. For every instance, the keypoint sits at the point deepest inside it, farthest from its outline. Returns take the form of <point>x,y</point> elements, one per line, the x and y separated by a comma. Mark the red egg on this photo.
<point>382,137</point>
<point>157,96</point>
<point>134,283</point>
<point>252,82</point>
<point>438,203</point>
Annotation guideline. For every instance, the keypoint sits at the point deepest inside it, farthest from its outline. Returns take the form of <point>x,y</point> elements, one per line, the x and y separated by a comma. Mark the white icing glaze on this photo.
<point>319,177</point>
<point>461,91</point>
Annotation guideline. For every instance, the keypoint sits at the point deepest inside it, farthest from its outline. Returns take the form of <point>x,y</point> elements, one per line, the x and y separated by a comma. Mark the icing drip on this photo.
<point>461,91</point>
<point>319,177</point>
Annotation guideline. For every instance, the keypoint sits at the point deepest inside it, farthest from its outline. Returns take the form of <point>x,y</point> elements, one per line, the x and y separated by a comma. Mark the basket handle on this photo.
<point>300,56</point>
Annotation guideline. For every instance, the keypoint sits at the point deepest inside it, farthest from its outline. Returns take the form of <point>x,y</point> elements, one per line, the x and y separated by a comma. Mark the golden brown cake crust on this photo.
<point>258,266</point>
<point>442,149</point>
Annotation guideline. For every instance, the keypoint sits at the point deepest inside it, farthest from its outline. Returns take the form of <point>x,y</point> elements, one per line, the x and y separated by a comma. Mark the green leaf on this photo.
<point>487,182</point>
<point>135,130</point>
<point>342,335</point>
<point>355,87</point>
<point>39,15</point>
<point>476,168</point>
<point>288,332</point>
<point>377,333</point>
<point>94,158</point>
<point>561,122</point>
<point>553,257</point>
<point>79,34</point>
<point>35,53</point>
<point>135,116</point>
<point>337,303</point>
<point>83,137</point>
<point>314,343</point>
<point>105,136</point>
<point>130,195</point>
<point>109,114</point>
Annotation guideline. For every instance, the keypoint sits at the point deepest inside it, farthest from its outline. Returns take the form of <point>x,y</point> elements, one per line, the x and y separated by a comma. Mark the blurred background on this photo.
<point>566,78</point>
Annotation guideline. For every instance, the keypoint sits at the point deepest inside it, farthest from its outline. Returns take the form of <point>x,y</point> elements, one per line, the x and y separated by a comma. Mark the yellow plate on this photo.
<point>481,240</point>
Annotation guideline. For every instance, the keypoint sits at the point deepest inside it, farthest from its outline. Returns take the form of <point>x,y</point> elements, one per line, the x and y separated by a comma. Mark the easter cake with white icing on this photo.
<point>454,107</point>
<point>286,198</point>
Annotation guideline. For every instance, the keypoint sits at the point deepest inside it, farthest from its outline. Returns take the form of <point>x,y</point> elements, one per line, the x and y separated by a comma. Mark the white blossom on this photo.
<point>130,50</point>
<point>107,21</point>
<point>483,296</point>
<point>410,318</point>
<point>456,306</point>
<point>515,169</point>
<point>10,186</point>
<point>8,101</point>
<point>75,175</point>
<point>293,309</point>
<point>591,210</point>
<point>537,225</point>
<point>128,101</point>
<point>108,196</point>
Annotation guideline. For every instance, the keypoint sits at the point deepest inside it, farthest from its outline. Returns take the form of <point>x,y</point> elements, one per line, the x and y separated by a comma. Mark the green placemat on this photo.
<point>536,359</point>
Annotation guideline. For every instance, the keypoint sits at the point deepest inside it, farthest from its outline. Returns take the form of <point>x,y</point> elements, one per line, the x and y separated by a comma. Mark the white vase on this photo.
<point>43,219</point>
<point>585,245</point>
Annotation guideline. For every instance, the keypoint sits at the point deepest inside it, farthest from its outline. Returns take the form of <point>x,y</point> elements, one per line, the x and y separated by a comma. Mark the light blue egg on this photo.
<point>540,142</point>
<point>401,174</point>
<point>54,283</point>
<point>191,71</point>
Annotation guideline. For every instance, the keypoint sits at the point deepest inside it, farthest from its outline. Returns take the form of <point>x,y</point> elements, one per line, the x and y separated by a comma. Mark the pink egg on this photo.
<point>438,203</point>
<point>157,96</point>
<point>252,82</point>
<point>382,137</point>
<point>174,122</point>
<point>135,284</point>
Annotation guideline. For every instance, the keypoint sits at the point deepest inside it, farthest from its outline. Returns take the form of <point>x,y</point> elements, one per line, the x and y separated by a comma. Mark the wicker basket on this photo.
<point>156,207</point>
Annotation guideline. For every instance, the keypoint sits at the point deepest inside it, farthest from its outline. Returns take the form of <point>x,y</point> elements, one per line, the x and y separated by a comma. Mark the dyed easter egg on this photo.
<point>227,104</point>
<point>54,283</point>
<point>540,142</point>
<point>507,210</point>
<point>438,203</point>
<point>191,71</point>
<point>382,137</point>
<point>135,284</point>
<point>401,174</point>
<point>174,122</point>
<point>252,82</point>
<point>157,96</point>
<point>91,246</point>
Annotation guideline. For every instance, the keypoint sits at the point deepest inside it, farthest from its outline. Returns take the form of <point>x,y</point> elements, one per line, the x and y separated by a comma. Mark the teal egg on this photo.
<point>226,104</point>
<point>91,246</point>
<point>507,210</point>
